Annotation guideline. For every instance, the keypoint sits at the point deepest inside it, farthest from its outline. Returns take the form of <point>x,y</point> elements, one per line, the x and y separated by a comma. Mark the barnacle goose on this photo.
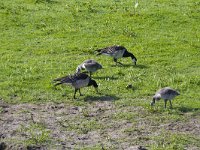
<point>78,81</point>
<point>117,52</point>
<point>166,93</point>
<point>89,65</point>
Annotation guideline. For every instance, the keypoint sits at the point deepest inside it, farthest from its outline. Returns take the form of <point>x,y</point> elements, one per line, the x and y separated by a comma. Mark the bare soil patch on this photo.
<point>62,126</point>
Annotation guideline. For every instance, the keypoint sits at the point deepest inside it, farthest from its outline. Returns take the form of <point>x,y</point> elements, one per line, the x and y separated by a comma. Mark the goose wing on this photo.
<point>111,49</point>
<point>70,79</point>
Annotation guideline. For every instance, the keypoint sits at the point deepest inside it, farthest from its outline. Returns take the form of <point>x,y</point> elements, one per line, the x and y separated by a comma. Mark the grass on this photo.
<point>45,39</point>
<point>37,134</point>
<point>171,141</point>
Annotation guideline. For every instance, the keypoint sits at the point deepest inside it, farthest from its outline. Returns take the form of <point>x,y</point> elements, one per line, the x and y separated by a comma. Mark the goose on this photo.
<point>78,81</point>
<point>89,65</point>
<point>165,93</point>
<point>117,52</point>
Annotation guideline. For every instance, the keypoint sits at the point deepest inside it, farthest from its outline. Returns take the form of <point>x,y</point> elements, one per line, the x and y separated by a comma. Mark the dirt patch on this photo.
<point>192,126</point>
<point>31,126</point>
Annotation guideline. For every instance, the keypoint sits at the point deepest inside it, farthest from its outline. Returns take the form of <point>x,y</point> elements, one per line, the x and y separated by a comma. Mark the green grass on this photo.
<point>37,134</point>
<point>170,141</point>
<point>45,39</point>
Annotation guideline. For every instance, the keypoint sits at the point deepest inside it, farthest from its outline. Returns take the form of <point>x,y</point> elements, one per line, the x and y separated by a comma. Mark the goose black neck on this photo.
<point>128,54</point>
<point>92,83</point>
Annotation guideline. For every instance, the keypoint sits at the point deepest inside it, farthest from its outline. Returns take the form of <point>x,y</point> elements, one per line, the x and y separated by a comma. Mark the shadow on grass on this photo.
<point>122,65</point>
<point>46,1</point>
<point>141,66</point>
<point>130,65</point>
<point>106,78</point>
<point>101,98</point>
<point>186,109</point>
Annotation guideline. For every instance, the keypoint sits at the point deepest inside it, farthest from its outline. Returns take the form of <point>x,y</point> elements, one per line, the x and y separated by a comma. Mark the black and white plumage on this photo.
<point>117,52</point>
<point>89,65</point>
<point>78,80</point>
<point>166,93</point>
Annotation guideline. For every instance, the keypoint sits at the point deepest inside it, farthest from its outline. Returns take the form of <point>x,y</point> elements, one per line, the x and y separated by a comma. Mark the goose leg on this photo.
<point>115,60</point>
<point>75,93</point>
<point>170,103</point>
<point>165,102</point>
<point>80,92</point>
<point>90,74</point>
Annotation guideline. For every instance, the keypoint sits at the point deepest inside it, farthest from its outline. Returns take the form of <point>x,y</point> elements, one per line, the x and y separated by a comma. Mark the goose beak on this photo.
<point>134,61</point>
<point>152,103</point>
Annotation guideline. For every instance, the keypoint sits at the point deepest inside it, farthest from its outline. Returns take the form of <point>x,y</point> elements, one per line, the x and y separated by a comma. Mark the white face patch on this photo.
<point>157,96</point>
<point>83,66</point>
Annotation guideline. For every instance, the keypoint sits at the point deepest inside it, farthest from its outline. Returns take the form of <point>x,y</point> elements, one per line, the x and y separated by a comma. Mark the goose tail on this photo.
<point>57,83</point>
<point>99,51</point>
<point>58,79</point>
<point>62,80</point>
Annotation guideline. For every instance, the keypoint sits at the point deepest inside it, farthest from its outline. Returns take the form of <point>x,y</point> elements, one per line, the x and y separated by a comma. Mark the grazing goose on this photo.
<point>166,93</point>
<point>117,52</point>
<point>89,65</point>
<point>78,81</point>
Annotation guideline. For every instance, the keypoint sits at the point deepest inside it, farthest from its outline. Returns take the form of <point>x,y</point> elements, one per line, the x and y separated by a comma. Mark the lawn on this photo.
<point>45,39</point>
